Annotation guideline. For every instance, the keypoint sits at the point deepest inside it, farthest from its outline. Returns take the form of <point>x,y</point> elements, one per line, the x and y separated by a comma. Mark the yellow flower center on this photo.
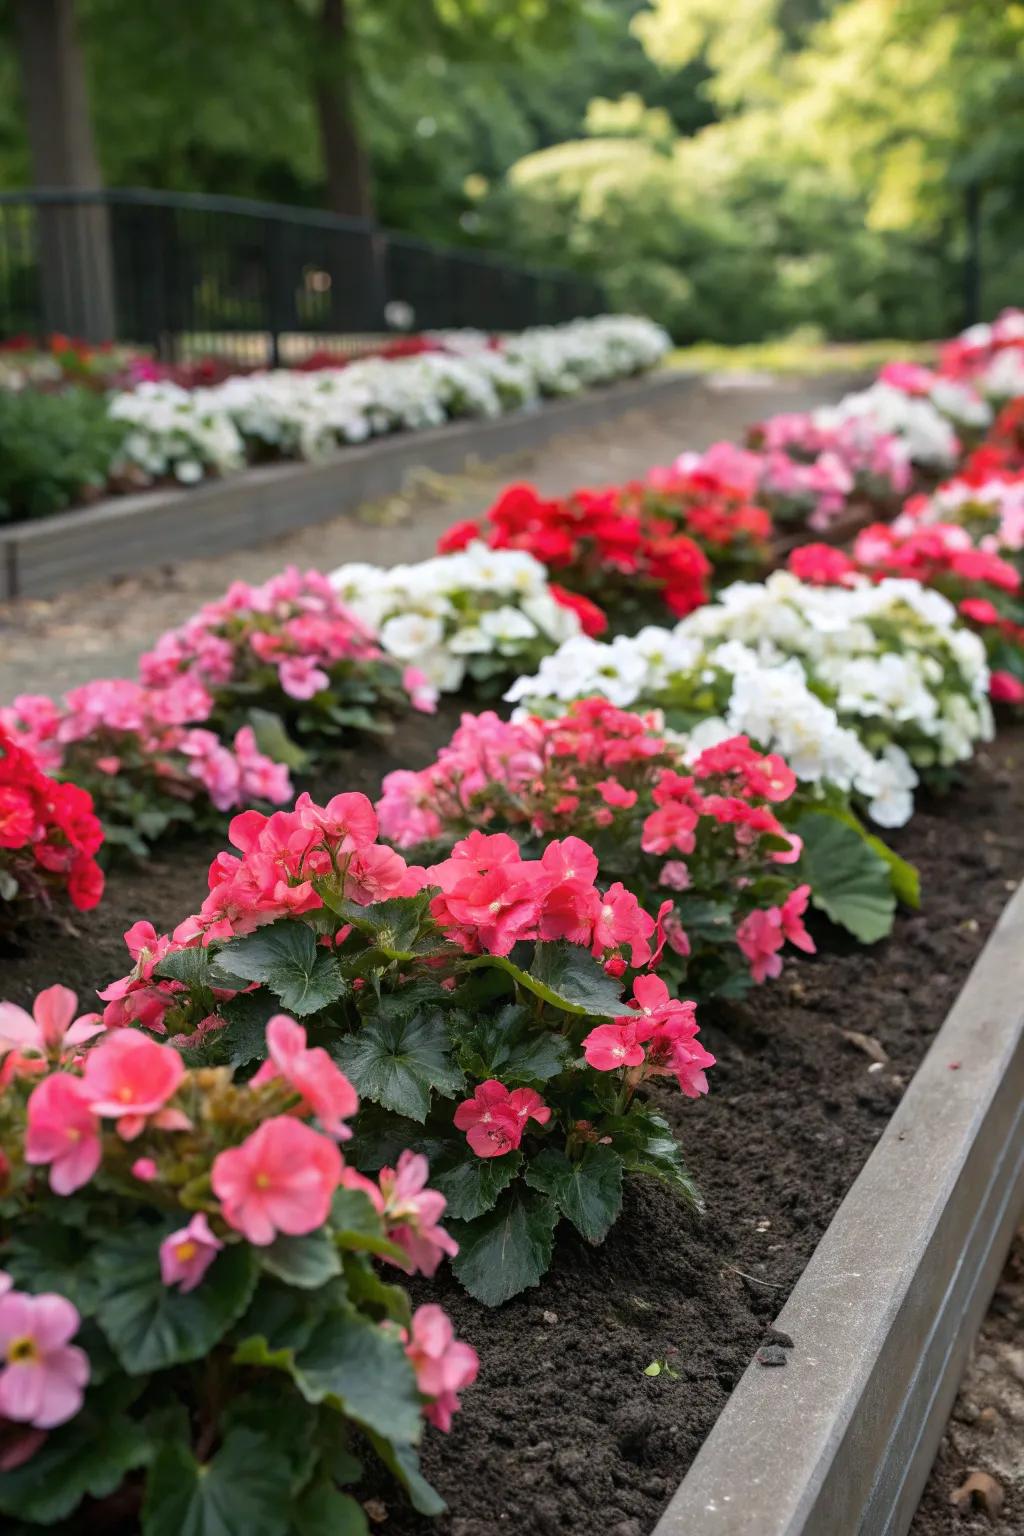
<point>185,1251</point>
<point>262,1181</point>
<point>22,1351</point>
<point>125,1095</point>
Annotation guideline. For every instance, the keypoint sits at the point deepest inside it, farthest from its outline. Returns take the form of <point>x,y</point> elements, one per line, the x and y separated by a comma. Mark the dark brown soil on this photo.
<point>172,882</point>
<point>564,1421</point>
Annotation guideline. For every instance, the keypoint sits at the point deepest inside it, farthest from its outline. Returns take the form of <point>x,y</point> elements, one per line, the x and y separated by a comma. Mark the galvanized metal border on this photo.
<point>841,1441</point>
<point>135,533</point>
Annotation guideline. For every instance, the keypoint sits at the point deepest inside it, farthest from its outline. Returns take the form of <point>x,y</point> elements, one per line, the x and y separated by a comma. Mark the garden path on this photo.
<point>49,645</point>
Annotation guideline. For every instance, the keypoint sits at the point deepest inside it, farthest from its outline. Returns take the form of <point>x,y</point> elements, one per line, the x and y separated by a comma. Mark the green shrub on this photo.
<point>54,448</point>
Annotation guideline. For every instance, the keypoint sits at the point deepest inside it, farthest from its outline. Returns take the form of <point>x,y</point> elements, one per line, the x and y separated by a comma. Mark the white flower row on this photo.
<point>486,611</point>
<point>187,433</point>
<point>855,687</point>
<point>922,423</point>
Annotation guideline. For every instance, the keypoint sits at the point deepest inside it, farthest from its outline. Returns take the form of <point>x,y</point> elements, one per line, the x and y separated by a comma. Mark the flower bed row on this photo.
<point>58,447</point>
<point>185,1245</point>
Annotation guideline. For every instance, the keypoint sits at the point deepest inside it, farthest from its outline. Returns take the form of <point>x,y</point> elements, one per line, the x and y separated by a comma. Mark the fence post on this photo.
<point>972,257</point>
<point>277,281</point>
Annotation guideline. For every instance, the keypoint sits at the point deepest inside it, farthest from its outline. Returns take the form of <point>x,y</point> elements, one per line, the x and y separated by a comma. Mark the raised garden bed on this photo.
<point>124,534</point>
<point>570,1426</point>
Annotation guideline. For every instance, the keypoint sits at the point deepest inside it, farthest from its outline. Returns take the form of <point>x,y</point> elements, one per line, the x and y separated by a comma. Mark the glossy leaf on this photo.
<point>366,1370</point>
<point>507,1249</point>
<point>849,881</point>
<point>398,1062</point>
<point>244,1490</point>
<point>286,958</point>
<point>588,1190</point>
<point>151,1326</point>
<point>472,1184</point>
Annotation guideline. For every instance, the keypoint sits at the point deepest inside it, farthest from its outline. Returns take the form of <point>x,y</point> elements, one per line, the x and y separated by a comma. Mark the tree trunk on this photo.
<point>346,167</point>
<point>74,239</point>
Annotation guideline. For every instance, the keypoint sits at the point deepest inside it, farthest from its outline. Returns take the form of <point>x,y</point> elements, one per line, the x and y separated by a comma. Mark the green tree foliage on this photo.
<point>829,188</point>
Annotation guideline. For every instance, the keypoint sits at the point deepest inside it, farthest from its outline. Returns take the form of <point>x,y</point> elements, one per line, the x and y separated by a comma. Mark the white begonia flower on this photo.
<point>409,635</point>
<point>506,626</point>
<point>551,617</point>
<point>806,670</point>
<point>308,415</point>
<point>1003,378</point>
<point>471,641</point>
<point>443,670</point>
<point>888,783</point>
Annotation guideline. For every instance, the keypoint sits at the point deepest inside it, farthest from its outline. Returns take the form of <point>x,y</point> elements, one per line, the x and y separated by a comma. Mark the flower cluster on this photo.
<point>812,468</point>
<point>991,357</point>
<point>288,413</point>
<point>918,421</point>
<point>715,502</point>
<point>425,985</point>
<point>146,755</point>
<point>212,1221</point>
<point>983,585</point>
<point>890,657</point>
<point>49,838</point>
<point>476,617</point>
<point>291,647</point>
<point>859,688</point>
<point>599,547</point>
<point>704,846</point>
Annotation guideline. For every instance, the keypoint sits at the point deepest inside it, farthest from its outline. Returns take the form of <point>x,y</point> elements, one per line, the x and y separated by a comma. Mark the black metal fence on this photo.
<point>186,272</point>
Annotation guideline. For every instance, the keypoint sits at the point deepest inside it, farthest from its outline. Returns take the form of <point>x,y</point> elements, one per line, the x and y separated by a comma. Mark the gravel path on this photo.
<point>49,645</point>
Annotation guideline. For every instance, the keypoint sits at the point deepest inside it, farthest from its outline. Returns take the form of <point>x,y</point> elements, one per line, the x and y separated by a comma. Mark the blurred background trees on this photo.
<point>735,169</point>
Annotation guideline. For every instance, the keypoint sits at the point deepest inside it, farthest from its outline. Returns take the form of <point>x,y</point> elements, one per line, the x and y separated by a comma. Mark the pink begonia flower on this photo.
<point>675,874</point>
<point>652,997</point>
<point>63,1132</point>
<point>50,1027</point>
<point>423,695</point>
<point>621,923</point>
<point>144,1169</point>
<point>670,829</point>
<point>615,794</point>
<point>760,937</point>
<point>44,1377</point>
<point>494,1119</point>
<point>611,1046</point>
<point>129,1078</point>
<point>375,874</point>
<point>792,911</point>
<point>187,1254</point>
<point>444,1365</point>
<point>301,678</point>
<point>1005,688</point>
<point>676,935</point>
<point>281,1179</point>
<point>762,934</point>
<point>348,820</point>
<point>674,1049</point>
<point>412,1213</point>
<point>324,1089</point>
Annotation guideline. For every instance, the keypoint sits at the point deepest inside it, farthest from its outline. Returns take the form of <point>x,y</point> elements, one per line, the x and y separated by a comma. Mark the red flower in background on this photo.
<point>49,835</point>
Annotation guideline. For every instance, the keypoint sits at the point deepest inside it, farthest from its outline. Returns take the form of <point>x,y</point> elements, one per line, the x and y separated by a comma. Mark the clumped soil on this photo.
<point>171,883</point>
<point>564,1423</point>
<point>564,1432</point>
